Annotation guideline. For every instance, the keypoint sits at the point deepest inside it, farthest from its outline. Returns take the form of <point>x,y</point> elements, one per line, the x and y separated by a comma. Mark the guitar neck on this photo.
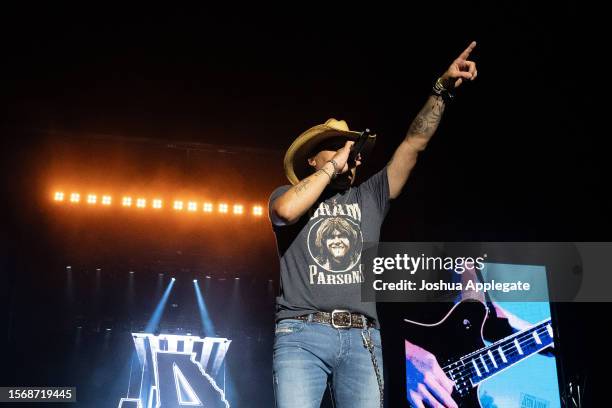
<point>470,370</point>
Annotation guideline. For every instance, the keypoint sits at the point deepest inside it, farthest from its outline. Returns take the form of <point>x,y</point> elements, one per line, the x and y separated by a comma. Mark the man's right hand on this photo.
<point>341,157</point>
<point>426,384</point>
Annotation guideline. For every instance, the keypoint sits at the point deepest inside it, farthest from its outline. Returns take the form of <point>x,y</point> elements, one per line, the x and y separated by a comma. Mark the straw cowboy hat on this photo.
<point>296,158</point>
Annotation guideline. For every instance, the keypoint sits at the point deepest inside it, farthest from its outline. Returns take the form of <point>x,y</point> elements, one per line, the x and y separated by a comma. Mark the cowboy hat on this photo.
<point>296,158</point>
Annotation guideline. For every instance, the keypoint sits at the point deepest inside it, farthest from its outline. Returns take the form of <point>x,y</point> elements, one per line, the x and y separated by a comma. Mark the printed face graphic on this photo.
<point>335,244</point>
<point>338,245</point>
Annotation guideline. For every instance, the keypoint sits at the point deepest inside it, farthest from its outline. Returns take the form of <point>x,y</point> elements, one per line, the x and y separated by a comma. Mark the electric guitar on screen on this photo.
<point>457,342</point>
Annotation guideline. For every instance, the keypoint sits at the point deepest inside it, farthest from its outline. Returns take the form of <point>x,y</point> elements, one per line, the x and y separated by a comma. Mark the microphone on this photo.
<point>362,146</point>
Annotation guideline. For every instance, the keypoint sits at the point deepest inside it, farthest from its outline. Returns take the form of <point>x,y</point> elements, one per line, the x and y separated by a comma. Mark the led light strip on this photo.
<point>155,203</point>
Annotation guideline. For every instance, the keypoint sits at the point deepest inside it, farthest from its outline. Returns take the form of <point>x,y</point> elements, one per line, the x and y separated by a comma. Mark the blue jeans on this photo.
<point>307,354</point>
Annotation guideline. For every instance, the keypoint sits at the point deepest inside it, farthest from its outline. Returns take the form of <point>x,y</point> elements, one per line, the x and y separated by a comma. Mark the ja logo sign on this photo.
<point>178,371</point>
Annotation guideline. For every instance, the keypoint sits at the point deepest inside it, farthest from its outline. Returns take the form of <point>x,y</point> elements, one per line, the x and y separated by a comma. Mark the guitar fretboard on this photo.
<point>471,369</point>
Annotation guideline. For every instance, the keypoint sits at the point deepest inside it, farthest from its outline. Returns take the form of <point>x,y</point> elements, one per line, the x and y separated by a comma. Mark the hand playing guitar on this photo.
<point>460,333</point>
<point>426,383</point>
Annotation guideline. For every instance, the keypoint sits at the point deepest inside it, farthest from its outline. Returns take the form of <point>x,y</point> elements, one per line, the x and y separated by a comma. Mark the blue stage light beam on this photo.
<point>209,330</point>
<point>128,372</point>
<point>159,310</point>
<point>207,323</point>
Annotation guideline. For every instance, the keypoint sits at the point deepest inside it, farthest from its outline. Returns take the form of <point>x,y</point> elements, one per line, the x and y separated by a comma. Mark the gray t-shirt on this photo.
<point>320,255</point>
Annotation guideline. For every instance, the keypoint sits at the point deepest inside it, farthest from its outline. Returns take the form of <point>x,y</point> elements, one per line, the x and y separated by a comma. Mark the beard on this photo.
<point>342,181</point>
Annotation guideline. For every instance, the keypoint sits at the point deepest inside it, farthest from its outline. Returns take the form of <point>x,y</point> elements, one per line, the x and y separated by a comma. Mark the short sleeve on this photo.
<point>276,221</point>
<point>376,188</point>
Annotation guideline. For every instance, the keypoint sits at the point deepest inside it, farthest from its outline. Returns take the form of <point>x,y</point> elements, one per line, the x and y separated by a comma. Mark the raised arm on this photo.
<point>426,122</point>
<point>294,203</point>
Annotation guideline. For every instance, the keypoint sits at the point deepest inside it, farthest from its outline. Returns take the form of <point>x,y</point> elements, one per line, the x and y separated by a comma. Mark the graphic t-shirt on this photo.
<point>320,255</point>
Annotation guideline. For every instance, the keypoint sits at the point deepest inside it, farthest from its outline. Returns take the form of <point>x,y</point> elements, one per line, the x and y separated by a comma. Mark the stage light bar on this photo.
<point>157,203</point>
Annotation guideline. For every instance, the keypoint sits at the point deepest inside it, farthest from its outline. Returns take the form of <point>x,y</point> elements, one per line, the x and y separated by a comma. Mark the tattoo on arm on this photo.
<point>421,130</point>
<point>301,186</point>
<point>426,122</point>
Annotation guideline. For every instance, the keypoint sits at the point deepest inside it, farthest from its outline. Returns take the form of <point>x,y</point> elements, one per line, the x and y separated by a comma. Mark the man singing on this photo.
<point>323,329</point>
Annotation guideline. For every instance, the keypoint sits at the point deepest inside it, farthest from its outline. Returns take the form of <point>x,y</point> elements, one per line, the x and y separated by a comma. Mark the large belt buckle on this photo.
<point>336,326</point>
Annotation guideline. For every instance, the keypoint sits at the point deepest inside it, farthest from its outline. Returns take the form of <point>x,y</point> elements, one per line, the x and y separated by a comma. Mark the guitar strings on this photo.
<point>520,337</point>
<point>523,336</point>
<point>524,342</point>
<point>469,373</point>
<point>525,339</point>
<point>468,370</point>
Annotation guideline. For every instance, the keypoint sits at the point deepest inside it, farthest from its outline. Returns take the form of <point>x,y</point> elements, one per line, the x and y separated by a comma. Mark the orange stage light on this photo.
<point>157,203</point>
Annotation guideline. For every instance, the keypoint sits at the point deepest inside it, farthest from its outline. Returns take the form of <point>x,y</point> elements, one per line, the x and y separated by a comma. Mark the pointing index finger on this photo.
<point>466,53</point>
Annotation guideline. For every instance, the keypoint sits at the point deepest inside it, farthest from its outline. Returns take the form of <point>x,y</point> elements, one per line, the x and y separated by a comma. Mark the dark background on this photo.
<point>205,102</point>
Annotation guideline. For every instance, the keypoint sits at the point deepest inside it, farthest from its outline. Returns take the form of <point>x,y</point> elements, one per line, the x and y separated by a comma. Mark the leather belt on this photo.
<point>339,319</point>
